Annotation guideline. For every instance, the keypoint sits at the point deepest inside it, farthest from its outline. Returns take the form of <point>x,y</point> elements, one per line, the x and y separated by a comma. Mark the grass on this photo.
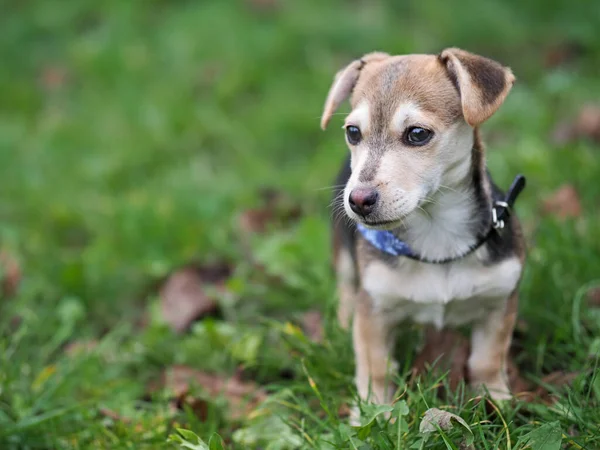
<point>133,133</point>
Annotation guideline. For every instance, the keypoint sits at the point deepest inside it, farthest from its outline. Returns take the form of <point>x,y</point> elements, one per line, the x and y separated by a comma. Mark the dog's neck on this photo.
<point>458,214</point>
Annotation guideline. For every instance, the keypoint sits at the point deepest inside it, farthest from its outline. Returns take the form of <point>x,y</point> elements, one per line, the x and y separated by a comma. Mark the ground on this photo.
<point>136,136</point>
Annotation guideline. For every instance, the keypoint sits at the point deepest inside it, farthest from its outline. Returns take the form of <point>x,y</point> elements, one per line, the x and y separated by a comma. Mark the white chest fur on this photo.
<point>446,294</point>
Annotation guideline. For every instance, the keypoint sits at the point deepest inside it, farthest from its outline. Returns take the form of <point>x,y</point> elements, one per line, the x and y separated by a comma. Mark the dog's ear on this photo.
<point>344,83</point>
<point>483,84</point>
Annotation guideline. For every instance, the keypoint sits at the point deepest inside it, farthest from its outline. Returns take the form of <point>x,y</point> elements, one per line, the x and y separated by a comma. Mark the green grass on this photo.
<point>133,133</point>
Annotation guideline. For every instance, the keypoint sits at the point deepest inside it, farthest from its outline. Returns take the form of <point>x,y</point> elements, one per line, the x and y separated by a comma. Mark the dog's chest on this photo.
<point>446,294</point>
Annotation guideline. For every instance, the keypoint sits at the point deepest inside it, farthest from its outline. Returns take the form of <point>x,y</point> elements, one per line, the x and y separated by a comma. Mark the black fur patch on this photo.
<point>343,228</point>
<point>487,75</point>
<point>503,243</point>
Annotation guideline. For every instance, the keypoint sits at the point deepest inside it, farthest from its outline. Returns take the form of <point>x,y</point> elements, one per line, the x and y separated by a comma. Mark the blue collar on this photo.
<point>387,242</point>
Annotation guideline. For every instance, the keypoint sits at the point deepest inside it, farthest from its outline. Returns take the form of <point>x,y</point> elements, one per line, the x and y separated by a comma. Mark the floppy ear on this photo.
<point>483,84</point>
<point>344,83</point>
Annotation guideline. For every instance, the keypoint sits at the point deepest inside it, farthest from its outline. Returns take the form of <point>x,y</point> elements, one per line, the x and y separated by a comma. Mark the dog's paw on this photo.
<point>498,390</point>
<point>354,419</point>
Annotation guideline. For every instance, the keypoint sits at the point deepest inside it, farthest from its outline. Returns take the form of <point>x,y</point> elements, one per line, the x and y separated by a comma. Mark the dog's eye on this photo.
<point>417,136</point>
<point>353,134</point>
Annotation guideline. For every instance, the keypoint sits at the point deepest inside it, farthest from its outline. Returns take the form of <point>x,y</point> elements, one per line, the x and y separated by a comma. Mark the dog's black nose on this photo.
<point>362,200</point>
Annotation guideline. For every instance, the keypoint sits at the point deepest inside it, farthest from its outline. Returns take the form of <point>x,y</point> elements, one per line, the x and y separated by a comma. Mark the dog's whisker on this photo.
<point>426,212</point>
<point>448,188</point>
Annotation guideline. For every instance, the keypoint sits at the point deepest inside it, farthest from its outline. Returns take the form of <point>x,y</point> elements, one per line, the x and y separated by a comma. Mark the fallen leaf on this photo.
<point>255,220</point>
<point>558,379</point>
<point>10,274</point>
<point>276,209</point>
<point>53,77</point>
<point>15,323</point>
<point>593,297</point>
<point>526,391</point>
<point>435,418</point>
<point>344,411</point>
<point>242,396</point>
<point>563,203</point>
<point>585,126</point>
<point>312,324</point>
<point>184,296</point>
<point>561,54</point>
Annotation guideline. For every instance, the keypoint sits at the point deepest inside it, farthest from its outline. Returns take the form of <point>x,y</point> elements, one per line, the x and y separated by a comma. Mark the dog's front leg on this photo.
<point>373,349</point>
<point>490,343</point>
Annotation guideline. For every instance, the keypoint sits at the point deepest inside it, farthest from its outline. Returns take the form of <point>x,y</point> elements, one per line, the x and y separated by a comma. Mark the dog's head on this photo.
<point>410,130</point>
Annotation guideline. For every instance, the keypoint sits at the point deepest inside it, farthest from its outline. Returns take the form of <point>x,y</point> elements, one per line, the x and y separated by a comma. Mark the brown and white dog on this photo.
<point>417,169</point>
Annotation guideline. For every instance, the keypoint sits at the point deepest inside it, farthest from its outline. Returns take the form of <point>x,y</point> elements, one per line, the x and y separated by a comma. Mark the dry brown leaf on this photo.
<point>276,208</point>
<point>242,396</point>
<point>561,54</point>
<point>560,378</point>
<point>15,323</point>
<point>254,221</point>
<point>540,394</point>
<point>184,296</point>
<point>586,125</point>
<point>312,324</point>
<point>344,411</point>
<point>436,419</point>
<point>53,77</point>
<point>563,203</point>
<point>10,274</point>
<point>593,297</point>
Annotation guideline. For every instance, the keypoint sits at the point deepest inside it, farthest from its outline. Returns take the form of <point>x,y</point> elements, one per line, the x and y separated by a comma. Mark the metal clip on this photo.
<point>499,223</point>
<point>495,222</point>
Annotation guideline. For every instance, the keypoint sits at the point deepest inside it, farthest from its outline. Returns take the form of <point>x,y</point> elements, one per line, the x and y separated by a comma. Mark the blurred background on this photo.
<point>162,160</point>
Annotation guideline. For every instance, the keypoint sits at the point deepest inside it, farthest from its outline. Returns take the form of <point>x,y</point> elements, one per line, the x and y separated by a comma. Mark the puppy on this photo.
<point>430,237</point>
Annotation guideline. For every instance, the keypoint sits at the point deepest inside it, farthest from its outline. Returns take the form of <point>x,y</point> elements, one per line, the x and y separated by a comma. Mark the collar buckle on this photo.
<point>498,217</point>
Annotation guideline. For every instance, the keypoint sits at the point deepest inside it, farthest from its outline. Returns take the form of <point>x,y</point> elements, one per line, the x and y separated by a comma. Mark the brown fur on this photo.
<point>483,83</point>
<point>421,79</point>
